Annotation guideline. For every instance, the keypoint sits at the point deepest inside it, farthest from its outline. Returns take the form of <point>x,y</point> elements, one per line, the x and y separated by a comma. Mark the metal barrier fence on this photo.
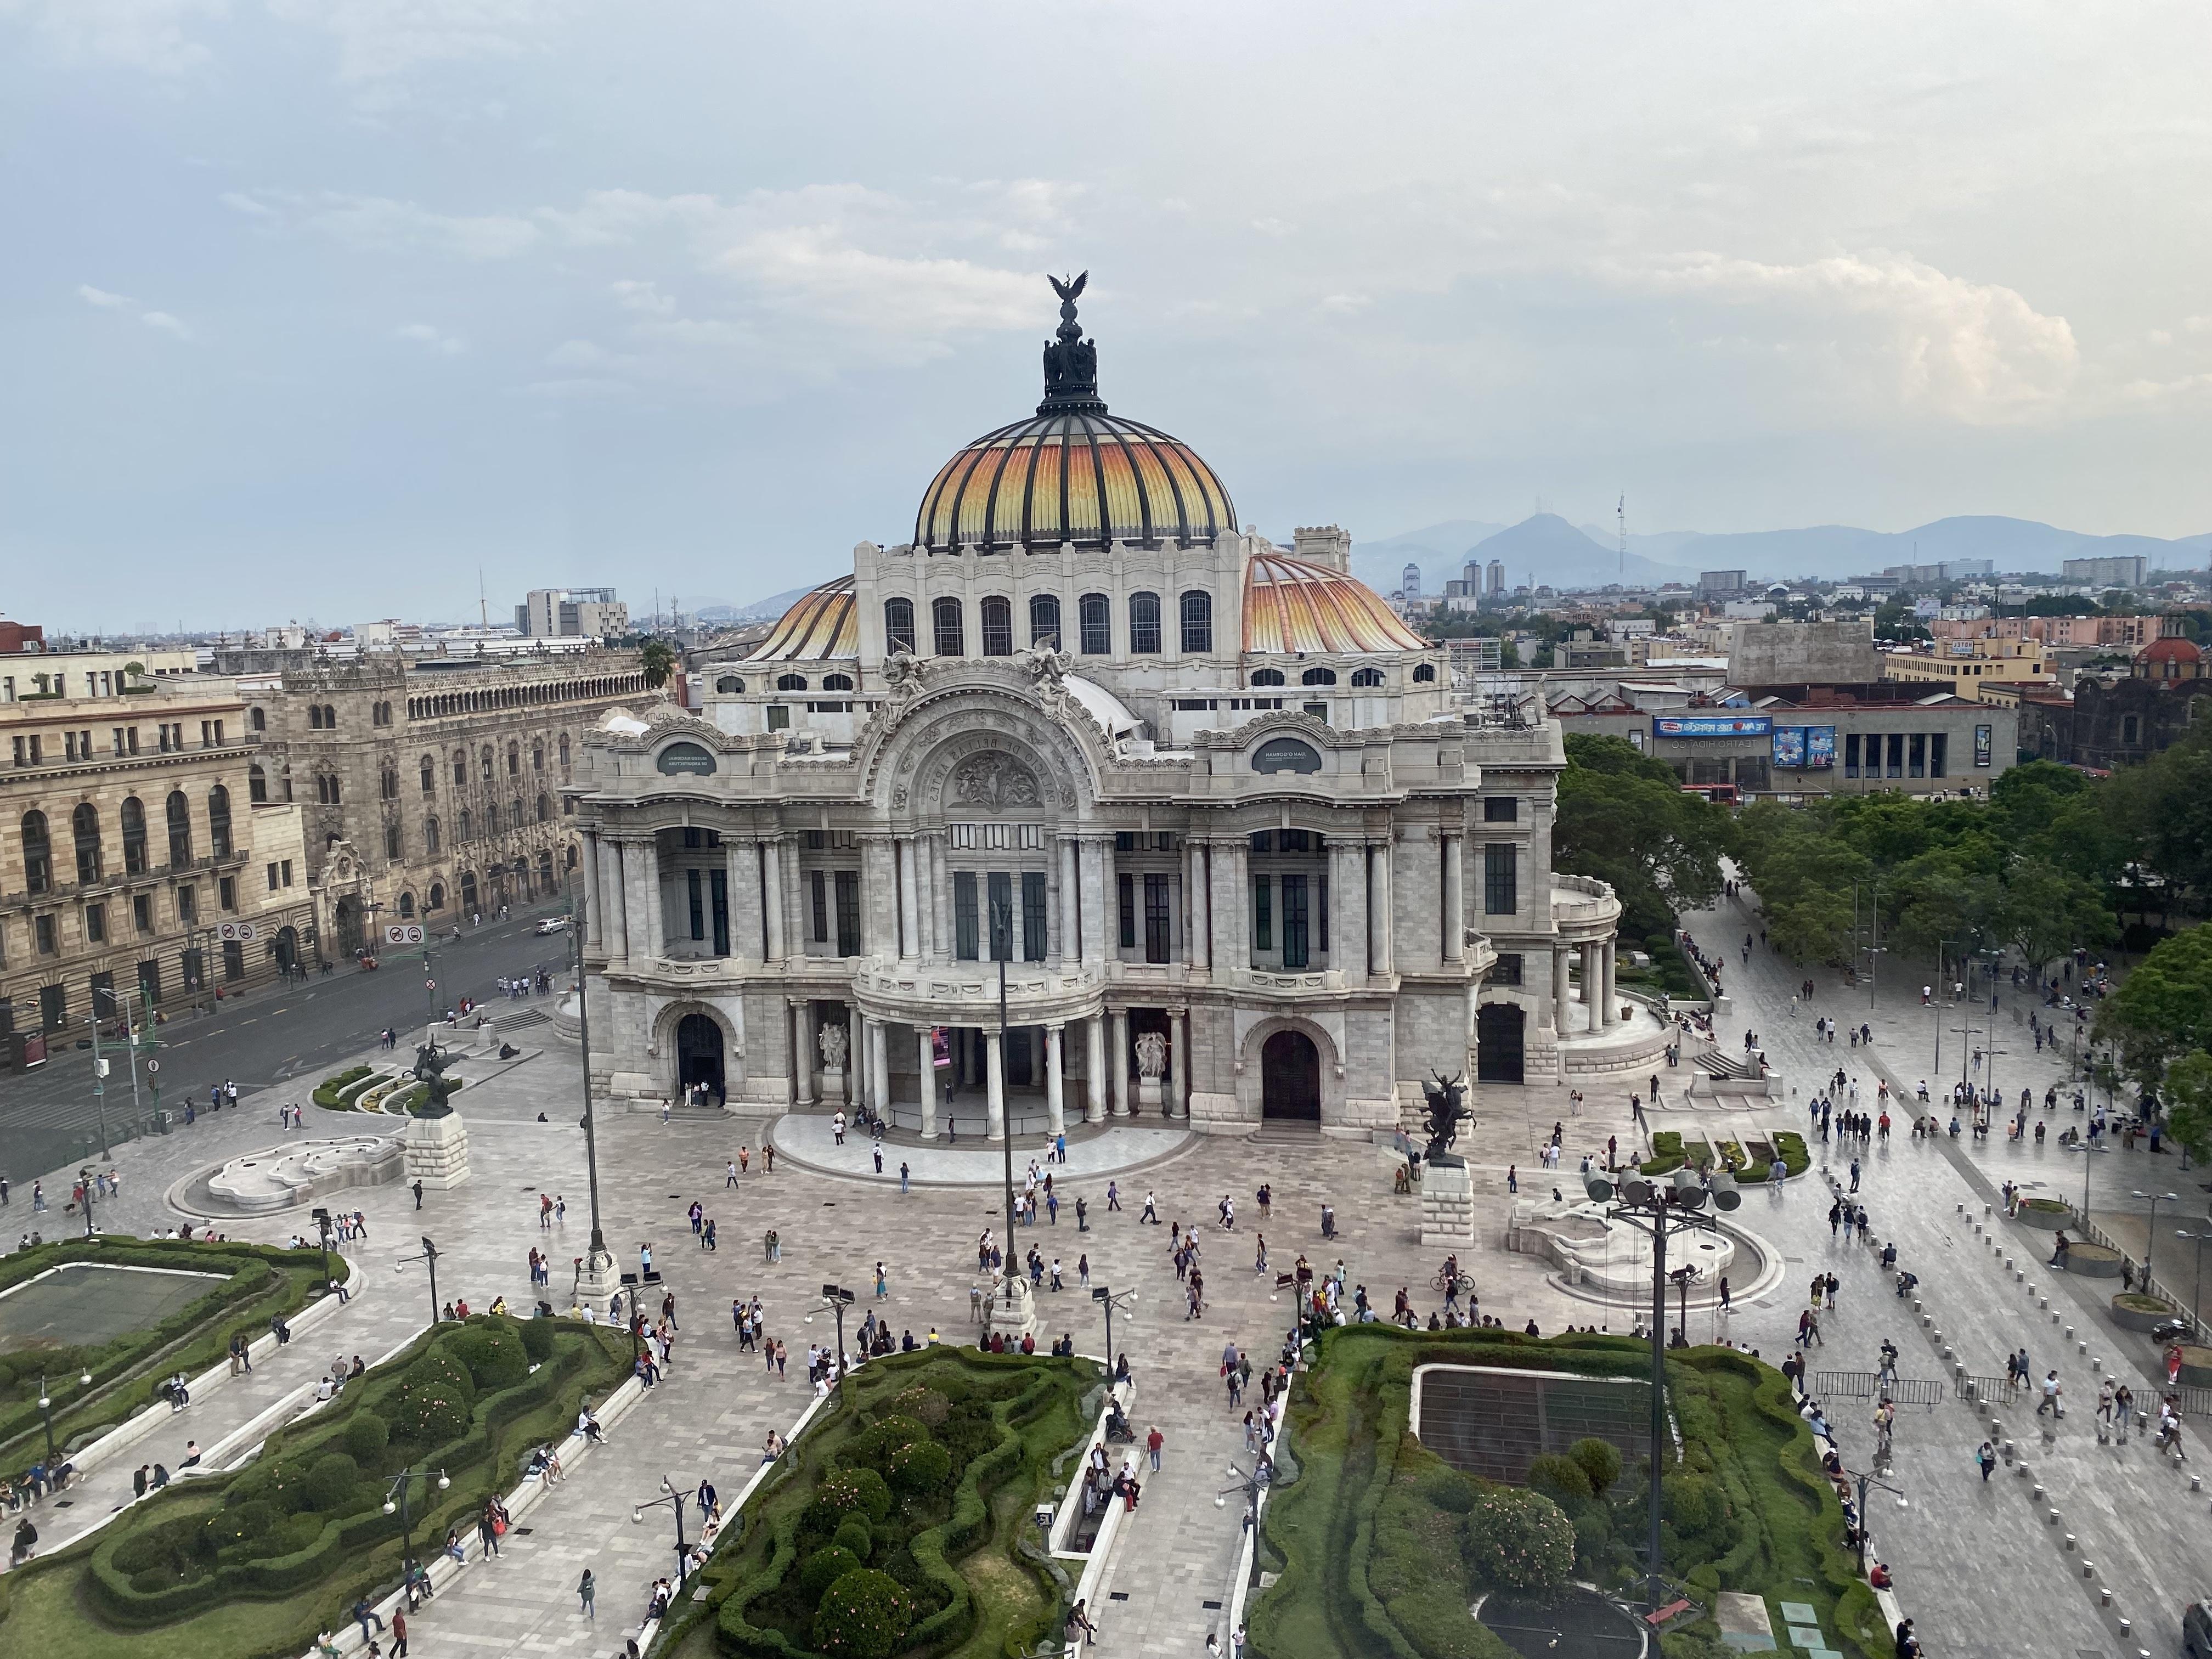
<point>1870,1385</point>
<point>28,1151</point>
<point>1984,1388</point>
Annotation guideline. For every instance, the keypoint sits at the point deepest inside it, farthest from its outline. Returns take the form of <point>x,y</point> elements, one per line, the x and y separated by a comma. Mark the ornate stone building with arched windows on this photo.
<point>1212,810</point>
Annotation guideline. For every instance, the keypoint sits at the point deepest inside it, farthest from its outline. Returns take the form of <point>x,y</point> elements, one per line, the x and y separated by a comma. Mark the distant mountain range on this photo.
<point>1548,550</point>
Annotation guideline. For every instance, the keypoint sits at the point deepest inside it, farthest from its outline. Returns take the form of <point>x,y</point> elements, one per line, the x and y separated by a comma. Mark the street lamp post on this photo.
<point>672,1500</point>
<point>99,1083</point>
<point>429,1256</point>
<point>2086,1148</point>
<point>2196,1289</point>
<point>598,1263</point>
<point>1865,1482</point>
<point>403,1484</point>
<point>838,1298</point>
<point>47,1408</point>
<point>323,1228</point>
<point>2150,1238</point>
<point>84,1178</point>
<point>1658,1208</point>
<point>1935,1005</point>
<point>1109,1300</point>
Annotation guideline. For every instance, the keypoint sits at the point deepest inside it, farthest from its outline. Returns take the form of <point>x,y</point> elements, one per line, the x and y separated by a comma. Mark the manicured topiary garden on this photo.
<point>1382,1548</point>
<point>259,1282</point>
<point>1750,1160</point>
<point>254,1562</point>
<point>901,1523</point>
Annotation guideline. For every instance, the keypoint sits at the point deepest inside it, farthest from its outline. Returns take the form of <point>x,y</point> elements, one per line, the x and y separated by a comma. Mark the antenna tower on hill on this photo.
<point>1621,513</point>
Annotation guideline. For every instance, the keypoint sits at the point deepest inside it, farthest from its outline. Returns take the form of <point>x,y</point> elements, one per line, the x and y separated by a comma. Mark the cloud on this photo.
<point>381,224</point>
<point>153,35</point>
<point>101,300</point>
<point>643,297</point>
<point>1346,305</point>
<point>379,39</point>
<point>1903,331</point>
<point>448,345</point>
<point>238,202</point>
<point>1271,227</point>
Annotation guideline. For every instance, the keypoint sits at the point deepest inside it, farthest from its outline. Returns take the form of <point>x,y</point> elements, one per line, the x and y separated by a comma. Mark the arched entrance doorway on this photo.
<point>468,891</point>
<point>287,948</point>
<point>1290,1077</point>
<point>349,921</point>
<point>699,1055</point>
<point>1500,1031</point>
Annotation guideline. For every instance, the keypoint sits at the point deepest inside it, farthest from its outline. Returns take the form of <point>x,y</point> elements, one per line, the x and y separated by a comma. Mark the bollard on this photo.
<point>1938,1335</point>
<point>2070,1542</point>
<point>2054,1315</point>
<point>2009,1448</point>
<point>2039,1494</point>
<point>2196,1483</point>
<point>2019,1274</point>
<point>1926,1320</point>
<point>2070,1333</point>
<point>2051,1519</point>
<point>2126,1626</point>
<point>2096,1362</point>
<point>2081,1347</point>
<point>2021,1469</point>
<point>2042,1301</point>
<point>2088,1568</point>
<point>2105,1600</point>
<point>1961,1208</point>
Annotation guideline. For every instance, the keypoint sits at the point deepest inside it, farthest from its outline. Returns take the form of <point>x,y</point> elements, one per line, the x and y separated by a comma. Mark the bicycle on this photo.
<point>1463,1286</point>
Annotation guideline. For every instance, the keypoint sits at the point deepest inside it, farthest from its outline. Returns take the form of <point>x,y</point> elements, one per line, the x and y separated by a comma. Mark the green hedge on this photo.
<point>261,1280</point>
<point>331,1091</point>
<point>308,1511</point>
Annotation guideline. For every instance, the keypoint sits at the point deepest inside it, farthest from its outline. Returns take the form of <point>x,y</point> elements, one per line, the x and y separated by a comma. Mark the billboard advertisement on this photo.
<point>1821,746</point>
<point>1790,748</point>
<point>1712,725</point>
<point>1982,745</point>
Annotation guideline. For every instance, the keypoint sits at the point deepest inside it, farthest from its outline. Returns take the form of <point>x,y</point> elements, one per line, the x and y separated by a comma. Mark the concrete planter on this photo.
<point>2092,1261</point>
<point>2048,1213</point>
<point>2196,1365</point>
<point>2145,1313</point>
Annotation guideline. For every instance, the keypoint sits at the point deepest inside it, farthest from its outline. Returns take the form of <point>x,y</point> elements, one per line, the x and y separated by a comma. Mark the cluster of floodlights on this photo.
<point>1683,1190</point>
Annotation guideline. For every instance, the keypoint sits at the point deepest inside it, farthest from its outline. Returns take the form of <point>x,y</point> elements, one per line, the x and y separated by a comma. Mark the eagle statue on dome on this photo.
<point>1071,362</point>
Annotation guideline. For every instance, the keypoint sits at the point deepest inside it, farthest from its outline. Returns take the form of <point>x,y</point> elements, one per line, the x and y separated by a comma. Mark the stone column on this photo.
<point>879,898</point>
<point>1195,929</point>
<point>1056,1097</point>
<point>995,1086</point>
<point>1097,880</point>
<point>1474,1028</point>
<point>940,898</point>
<point>1380,911</point>
<point>1608,1006</point>
<point>1589,989</point>
<point>909,910</point>
<point>1560,991</point>
<point>641,894</point>
<point>1232,900</point>
<point>804,1053</point>
<point>1177,1104</point>
<point>1117,1065</point>
<point>856,1056</point>
<point>594,924</point>
<point>1347,899</point>
<point>1094,1069</point>
<point>879,1070</point>
<point>1455,897</point>
<point>925,1060</point>
<point>740,868</point>
<point>771,852</point>
<point>615,930</point>
<point>1068,946</point>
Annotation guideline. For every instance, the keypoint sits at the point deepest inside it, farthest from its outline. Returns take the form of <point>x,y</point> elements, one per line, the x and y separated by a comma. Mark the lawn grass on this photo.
<point>1365,1538</point>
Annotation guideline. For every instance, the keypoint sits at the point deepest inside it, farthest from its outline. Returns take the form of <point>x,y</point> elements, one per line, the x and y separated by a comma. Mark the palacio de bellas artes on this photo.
<point>1202,804</point>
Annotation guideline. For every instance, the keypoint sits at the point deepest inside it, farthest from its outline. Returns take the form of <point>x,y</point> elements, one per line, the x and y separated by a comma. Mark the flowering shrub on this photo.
<point>1519,1540</point>
<point>866,1614</point>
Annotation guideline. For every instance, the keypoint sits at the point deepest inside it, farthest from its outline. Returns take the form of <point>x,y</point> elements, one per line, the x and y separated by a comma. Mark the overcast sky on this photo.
<point>312,308</point>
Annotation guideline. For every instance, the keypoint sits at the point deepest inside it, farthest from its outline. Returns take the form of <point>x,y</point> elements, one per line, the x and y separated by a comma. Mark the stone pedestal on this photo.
<point>833,1085</point>
<point>1150,1093</point>
<point>599,1281</point>
<point>1011,1309</point>
<point>1447,1203</point>
<point>437,1151</point>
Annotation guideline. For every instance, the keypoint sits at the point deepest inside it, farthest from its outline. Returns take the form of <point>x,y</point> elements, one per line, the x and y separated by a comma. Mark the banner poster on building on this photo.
<point>1712,725</point>
<point>1790,748</point>
<point>1821,746</point>
<point>1982,745</point>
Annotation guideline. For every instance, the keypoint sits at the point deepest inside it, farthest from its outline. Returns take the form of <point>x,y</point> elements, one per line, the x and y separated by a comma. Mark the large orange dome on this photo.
<point>1071,472</point>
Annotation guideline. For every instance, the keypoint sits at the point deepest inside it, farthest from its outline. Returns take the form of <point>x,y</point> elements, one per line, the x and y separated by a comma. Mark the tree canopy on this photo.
<point>1624,818</point>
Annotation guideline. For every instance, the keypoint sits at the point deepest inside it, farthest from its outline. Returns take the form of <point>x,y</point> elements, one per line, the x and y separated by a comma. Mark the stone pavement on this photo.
<point>1977,1565</point>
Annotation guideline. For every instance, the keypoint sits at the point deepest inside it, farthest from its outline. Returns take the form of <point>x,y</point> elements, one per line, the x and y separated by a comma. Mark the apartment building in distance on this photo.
<point>135,870</point>
<point>2123,570</point>
<point>1975,668</point>
<point>430,789</point>
<point>553,613</point>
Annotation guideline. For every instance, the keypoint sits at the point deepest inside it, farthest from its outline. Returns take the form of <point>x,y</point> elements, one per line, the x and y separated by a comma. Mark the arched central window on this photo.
<point>1095,617</point>
<point>1268,677</point>
<point>219,819</point>
<point>837,682</point>
<point>1367,676</point>
<point>431,834</point>
<point>728,686</point>
<point>998,626</point>
<point>545,809</point>
<point>1197,621</point>
<point>1044,621</point>
<point>1318,677</point>
<point>430,777</point>
<point>791,681</point>
<point>1144,624</point>
<point>178,811</point>
<point>462,830</point>
<point>257,784</point>
<point>38,853</point>
<point>387,782</point>
<point>1425,673</point>
<point>945,623</point>
<point>898,627</point>
<point>490,763</point>
<point>134,836</point>
<point>460,766</point>
<point>84,830</point>
<point>514,760</point>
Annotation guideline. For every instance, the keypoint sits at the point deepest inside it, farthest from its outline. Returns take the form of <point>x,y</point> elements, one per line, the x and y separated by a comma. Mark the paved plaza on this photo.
<point>1977,1564</point>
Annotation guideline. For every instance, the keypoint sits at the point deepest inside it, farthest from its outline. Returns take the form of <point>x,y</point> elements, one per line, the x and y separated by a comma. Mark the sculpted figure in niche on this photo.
<point>994,782</point>
<point>1152,1056</point>
<point>832,1041</point>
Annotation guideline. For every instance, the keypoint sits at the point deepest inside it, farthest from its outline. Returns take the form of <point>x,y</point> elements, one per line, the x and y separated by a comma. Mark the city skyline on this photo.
<point>317,315</point>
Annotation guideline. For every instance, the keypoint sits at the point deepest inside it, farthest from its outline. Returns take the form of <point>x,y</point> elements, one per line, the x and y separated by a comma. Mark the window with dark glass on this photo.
<point>1423,674</point>
<point>898,627</point>
<point>1500,878</point>
<point>818,885</point>
<point>43,927</point>
<point>1294,921</point>
<point>997,619</point>
<point>1320,912</point>
<point>1851,754</point>
<point>1159,915</point>
<point>1044,619</point>
<point>141,912</point>
<point>1318,677</point>
<point>1501,809</point>
<point>1263,921</point>
<point>1197,609</point>
<point>1506,971</point>
<point>1033,915</point>
<point>950,638</point>
<point>1939,745</point>
<point>967,942</point>
<point>791,681</point>
<point>1144,624</point>
<point>999,892</point>
<point>1917,755</point>
<point>234,960</point>
<point>1125,891</point>
<point>849,913</point>
<point>84,830</point>
<point>1095,616</point>
<point>695,898</point>
<point>96,924</point>
<point>1367,678</point>
<point>1268,677</point>
<point>718,895</point>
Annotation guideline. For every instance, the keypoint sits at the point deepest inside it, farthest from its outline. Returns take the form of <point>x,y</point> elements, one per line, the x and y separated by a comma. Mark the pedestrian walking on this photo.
<point>1154,1441</point>
<point>906,1177</point>
<point>587,1594</point>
